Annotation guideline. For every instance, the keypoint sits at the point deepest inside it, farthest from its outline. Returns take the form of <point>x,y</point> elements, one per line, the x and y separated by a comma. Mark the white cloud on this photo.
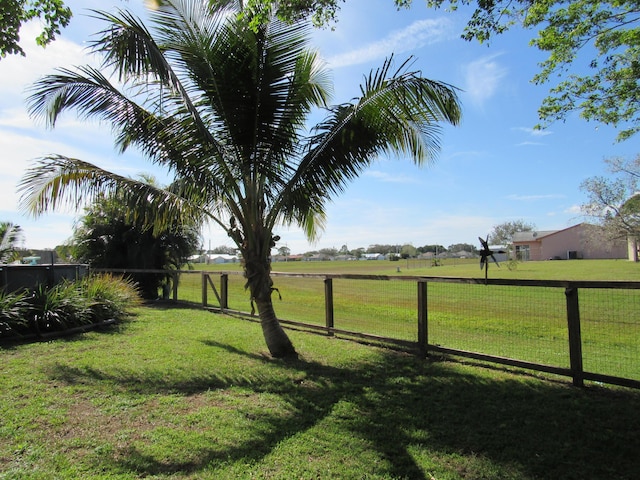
<point>534,132</point>
<point>529,198</point>
<point>416,35</point>
<point>482,79</point>
<point>574,210</point>
<point>389,178</point>
<point>17,73</point>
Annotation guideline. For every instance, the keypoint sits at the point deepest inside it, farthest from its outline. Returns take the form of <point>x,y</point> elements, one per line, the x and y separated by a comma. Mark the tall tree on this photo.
<point>613,201</point>
<point>111,235</point>
<point>502,234</point>
<point>53,15</point>
<point>224,106</point>
<point>408,251</point>
<point>600,37</point>
<point>432,249</point>
<point>459,247</point>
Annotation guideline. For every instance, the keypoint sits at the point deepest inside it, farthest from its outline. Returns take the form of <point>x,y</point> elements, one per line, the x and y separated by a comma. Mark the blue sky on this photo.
<point>492,168</point>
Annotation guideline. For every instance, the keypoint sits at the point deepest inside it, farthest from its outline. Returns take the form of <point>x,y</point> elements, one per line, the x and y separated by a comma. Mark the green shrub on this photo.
<point>110,296</point>
<point>57,308</point>
<point>91,300</point>
<point>13,314</point>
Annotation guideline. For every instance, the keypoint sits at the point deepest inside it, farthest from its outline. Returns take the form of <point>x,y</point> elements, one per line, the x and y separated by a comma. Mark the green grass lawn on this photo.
<point>544,270</point>
<point>183,393</point>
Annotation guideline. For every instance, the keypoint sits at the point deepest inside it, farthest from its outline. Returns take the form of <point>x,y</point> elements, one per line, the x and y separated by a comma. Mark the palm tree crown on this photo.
<point>224,106</point>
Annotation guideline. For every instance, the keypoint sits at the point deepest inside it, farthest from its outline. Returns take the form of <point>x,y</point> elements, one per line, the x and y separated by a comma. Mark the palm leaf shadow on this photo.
<point>400,403</point>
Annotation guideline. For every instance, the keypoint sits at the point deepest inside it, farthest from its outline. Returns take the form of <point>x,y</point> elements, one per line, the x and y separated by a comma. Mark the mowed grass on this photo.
<point>187,394</point>
<point>611,270</point>
<point>524,323</point>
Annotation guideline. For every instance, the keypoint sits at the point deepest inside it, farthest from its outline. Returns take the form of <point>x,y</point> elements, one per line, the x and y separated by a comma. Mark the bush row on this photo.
<point>71,304</point>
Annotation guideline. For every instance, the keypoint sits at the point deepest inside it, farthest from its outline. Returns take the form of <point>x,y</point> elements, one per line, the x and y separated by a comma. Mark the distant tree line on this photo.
<point>402,251</point>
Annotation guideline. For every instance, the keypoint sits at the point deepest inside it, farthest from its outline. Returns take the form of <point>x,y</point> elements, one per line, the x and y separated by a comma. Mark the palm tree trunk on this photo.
<point>277,340</point>
<point>257,272</point>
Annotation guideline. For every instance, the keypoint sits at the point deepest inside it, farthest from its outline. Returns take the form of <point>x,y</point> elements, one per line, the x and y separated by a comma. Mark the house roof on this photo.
<point>537,235</point>
<point>532,236</point>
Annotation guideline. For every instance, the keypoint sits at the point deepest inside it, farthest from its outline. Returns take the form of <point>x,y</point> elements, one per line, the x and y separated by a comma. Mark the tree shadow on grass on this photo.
<point>408,410</point>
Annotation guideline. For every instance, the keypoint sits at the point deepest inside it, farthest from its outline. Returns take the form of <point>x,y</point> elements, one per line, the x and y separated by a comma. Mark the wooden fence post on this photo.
<point>176,277</point>
<point>423,332</point>
<point>204,277</point>
<point>575,337</point>
<point>328,304</point>
<point>224,291</point>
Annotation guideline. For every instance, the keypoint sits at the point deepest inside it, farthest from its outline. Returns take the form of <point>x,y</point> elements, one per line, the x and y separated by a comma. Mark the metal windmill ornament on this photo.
<point>485,254</point>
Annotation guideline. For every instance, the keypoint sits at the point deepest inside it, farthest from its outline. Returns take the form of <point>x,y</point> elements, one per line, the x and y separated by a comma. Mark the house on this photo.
<point>463,254</point>
<point>287,258</point>
<point>373,256</point>
<point>317,257</point>
<point>221,258</point>
<point>579,241</point>
<point>500,252</point>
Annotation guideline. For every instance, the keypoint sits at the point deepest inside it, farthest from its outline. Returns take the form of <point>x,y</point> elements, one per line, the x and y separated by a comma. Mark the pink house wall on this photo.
<point>581,238</point>
<point>535,250</point>
<point>559,243</point>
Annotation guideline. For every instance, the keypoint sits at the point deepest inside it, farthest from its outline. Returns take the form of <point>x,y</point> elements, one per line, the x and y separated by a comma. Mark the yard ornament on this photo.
<point>485,254</point>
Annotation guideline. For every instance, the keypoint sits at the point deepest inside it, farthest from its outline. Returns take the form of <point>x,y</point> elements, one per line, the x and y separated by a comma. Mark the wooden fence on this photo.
<point>566,299</point>
<point>570,304</point>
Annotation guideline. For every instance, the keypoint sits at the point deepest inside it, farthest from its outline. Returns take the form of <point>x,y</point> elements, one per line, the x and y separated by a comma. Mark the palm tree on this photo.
<point>10,236</point>
<point>223,104</point>
<point>106,237</point>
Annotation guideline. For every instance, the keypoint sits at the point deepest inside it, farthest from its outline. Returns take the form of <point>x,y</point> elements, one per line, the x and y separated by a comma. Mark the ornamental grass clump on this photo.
<point>110,297</point>
<point>13,314</point>
<point>71,304</point>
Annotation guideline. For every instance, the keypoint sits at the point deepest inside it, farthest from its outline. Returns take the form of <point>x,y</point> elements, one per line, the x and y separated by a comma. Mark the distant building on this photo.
<point>317,257</point>
<point>579,241</point>
<point>221,258</point>
<point>464,254</point>
<point>373,256</point>
<point>214,258</point>
<point>287,258</point>
<point>500,252</point>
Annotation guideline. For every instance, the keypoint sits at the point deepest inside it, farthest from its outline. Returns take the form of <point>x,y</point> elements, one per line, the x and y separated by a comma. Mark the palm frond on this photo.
<point>131,50</point>
<point>224,105</point>
<point>397,113</point>
<point>171,141</point>
<point>87,90</point>
<point>10,236</point>
<point>57,182</point>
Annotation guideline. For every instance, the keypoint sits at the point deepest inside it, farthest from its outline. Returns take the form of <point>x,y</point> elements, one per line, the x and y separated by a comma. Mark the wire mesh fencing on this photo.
<point>585,330</point>
<point>383,308</point>
<point>524,323</point>
<point>610,323</point>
